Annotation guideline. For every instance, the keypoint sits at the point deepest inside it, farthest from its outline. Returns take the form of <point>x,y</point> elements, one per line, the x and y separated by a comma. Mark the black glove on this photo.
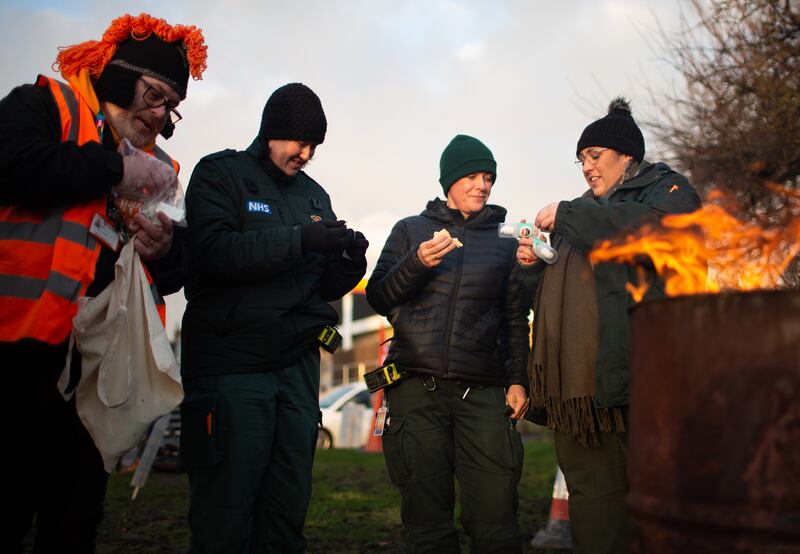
<point>358,246</point>
<point>325,236</point>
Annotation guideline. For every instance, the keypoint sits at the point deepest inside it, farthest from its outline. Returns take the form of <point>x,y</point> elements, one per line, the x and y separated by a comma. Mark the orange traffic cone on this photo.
<point>557,535</point>
<point>375,444</point>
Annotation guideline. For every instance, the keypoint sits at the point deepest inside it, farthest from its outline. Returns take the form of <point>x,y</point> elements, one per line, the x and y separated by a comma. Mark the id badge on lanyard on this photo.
<point>380,419</point>
<point>103,231</point>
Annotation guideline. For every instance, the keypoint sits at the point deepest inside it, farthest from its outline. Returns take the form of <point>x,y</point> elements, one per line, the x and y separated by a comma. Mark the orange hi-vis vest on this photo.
<point>48,257</point>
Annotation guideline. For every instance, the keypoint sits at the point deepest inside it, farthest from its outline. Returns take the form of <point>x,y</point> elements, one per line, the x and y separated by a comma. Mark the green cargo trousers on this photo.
<point>248,441</point>
<point>597,481</point>
<point>434,435</point>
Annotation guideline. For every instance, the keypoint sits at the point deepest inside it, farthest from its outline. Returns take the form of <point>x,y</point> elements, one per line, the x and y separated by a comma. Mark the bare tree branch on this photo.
<point>736,125</point>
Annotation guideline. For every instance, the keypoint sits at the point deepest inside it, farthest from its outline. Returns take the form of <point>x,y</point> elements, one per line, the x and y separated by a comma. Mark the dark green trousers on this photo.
<point>248,442</point>
<point>597,481</point>
<point>436,435</point>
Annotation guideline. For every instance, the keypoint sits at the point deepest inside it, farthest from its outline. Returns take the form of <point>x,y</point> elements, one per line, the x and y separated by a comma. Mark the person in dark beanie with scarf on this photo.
<point>60,236</point>
<point>579,365</point>
<point>460,341</point>
<point>267,255</point>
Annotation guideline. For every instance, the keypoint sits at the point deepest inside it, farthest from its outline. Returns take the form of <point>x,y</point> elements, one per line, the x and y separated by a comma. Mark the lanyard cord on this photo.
<point>100,122</point>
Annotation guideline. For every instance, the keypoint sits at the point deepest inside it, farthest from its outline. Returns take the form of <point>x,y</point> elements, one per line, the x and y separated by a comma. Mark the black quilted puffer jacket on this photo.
<point>464,319</point>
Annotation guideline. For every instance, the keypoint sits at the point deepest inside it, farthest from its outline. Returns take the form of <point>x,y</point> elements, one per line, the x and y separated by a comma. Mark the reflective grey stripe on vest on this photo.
<point>74,111</point>
<point>47,231</point>
<point>156,295</point>
<point>33,288</point>
<point>161,155</point>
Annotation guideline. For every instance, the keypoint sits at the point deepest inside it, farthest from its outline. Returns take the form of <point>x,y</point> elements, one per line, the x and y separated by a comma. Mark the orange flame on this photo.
<point>638,291</point>
<point>709,250</point>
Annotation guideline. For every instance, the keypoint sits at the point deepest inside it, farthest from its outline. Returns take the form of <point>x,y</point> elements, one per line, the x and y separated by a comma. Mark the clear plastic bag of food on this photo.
<point>150,186</point>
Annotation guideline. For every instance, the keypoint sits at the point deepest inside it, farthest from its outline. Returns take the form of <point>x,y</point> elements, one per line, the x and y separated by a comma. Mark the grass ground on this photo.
<point>354,507</point>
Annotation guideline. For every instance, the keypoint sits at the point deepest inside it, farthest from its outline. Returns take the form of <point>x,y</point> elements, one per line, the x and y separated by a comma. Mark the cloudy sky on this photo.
<point>398,79</point>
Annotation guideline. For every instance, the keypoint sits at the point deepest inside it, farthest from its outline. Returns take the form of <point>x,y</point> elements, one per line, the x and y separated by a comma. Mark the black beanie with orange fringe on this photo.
<point>153,57</point>
<point>133,46</point>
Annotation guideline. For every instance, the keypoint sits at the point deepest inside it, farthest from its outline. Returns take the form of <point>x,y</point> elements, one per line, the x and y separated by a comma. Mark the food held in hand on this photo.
<point>128,209</point>
<point>446,233</point>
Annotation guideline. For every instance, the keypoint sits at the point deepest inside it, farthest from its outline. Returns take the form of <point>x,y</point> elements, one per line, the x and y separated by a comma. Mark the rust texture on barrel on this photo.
<point>715,423</point>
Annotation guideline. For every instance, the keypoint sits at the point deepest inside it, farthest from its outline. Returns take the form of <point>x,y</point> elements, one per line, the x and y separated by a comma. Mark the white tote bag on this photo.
<point>129,376</point>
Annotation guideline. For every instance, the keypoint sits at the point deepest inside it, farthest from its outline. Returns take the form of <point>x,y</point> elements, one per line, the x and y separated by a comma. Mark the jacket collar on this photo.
<point>647,175</point>
<point>258,149</point>
<point>491,214</point>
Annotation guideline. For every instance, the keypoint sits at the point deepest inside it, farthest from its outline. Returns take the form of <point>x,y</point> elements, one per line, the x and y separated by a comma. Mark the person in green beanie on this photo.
<point>461,343</point>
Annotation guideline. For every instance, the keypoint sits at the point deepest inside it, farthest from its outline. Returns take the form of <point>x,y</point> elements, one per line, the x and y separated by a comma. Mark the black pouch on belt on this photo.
<point>329,338</point>
<point>382,377</point>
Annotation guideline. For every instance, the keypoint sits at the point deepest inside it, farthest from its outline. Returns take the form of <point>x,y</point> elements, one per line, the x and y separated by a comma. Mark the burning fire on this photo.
<point>709,250</point>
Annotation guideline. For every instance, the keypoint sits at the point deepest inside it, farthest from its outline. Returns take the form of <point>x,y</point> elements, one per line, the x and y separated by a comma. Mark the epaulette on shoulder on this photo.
<point>221,154</point>
<point>307,176</point>
<point>314,183</point>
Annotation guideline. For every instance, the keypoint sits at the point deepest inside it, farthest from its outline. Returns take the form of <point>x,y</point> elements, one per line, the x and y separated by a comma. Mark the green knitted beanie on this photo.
<point>463,156</point>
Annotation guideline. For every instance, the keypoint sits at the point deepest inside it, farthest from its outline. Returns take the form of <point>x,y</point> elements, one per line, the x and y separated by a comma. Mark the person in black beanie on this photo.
<point>444,279</point>
<point>145,60</point>
<point>579,363</point>
<point>61,233</point>
<point>267,255</point>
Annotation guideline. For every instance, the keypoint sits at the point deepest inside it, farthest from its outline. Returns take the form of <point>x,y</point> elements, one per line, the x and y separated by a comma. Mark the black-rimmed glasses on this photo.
<point>155,99</point>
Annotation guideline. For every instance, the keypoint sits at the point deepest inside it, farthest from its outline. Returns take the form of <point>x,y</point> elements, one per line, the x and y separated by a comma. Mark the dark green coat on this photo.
<point>255,301</point>
<point>654,192</point>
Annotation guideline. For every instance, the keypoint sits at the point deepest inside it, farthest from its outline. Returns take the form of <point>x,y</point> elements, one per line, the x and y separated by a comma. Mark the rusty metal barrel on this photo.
<point>714,458</point>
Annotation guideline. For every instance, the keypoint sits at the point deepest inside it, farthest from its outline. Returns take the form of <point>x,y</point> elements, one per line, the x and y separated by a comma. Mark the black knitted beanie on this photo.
<point>616,130</point>
<point>294,112</point>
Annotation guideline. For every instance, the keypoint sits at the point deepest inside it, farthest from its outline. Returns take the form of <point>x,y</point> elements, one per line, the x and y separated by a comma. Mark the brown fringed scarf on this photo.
<point>562,363</point>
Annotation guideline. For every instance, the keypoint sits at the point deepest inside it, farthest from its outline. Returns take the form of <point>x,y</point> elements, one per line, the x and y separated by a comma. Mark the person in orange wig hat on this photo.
<point>68,152</point>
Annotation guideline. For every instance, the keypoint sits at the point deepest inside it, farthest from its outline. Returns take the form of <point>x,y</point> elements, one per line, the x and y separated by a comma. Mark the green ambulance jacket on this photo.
<point>255,302</point>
